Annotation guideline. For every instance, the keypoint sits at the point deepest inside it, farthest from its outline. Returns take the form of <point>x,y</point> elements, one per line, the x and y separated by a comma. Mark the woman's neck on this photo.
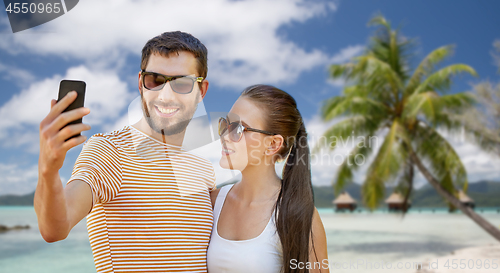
<point>259,183</point>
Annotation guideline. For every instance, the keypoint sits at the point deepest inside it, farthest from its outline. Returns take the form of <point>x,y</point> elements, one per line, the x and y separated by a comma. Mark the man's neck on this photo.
<point>144,127</point>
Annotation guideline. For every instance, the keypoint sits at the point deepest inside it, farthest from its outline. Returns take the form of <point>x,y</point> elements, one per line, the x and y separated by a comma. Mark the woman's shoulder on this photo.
<point>215,193</point>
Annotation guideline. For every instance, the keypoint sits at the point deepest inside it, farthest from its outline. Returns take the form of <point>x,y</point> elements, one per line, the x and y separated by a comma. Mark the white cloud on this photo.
<point>17,179</point>
<point>346,54</point>
<point>241,36</point>
<point>106,96</point>
<point>20,179</point>
<point>4,27</point>
<point>336,82</point>
<point>18,76</point>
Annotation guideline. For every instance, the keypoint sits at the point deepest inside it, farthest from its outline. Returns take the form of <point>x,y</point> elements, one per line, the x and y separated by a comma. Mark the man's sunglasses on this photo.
<point>235,130</point>
<point>180,84</point>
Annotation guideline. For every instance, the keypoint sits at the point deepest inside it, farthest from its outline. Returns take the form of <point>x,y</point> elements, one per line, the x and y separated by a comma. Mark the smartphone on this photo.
<point>67,86</point>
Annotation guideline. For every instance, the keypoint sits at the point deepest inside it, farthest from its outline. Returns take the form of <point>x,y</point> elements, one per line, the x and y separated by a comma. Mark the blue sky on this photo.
<point>287,43</point>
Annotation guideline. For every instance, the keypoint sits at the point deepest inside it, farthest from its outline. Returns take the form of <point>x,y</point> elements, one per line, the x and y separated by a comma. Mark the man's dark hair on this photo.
<point>172,42</point>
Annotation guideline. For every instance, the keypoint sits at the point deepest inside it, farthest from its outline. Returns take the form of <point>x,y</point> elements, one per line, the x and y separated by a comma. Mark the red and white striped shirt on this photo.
<point>151,203</point>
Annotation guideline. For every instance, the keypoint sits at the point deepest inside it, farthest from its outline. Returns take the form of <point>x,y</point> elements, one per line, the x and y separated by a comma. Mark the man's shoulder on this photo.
<point>113,138</point>
<point>116,133</point>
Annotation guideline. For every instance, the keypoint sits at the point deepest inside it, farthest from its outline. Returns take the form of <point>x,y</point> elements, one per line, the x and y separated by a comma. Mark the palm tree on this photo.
<point>383,96</point>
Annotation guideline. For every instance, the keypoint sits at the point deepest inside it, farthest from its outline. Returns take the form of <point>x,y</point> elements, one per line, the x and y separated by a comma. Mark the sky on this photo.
<point>286,43</point>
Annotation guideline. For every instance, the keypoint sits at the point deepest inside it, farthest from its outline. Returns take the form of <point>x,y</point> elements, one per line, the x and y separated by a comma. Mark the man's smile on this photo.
<point>166,111</point>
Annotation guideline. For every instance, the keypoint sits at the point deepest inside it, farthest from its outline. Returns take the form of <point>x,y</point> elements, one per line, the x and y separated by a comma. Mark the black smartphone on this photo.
<point>67,86</point>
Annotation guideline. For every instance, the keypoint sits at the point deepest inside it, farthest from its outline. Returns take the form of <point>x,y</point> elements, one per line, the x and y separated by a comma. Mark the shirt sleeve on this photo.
<point>212,186</point>
<point>99,166</point>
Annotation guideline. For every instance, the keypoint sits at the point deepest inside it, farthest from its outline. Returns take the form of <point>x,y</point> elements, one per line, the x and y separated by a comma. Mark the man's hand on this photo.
<point>53,144</point>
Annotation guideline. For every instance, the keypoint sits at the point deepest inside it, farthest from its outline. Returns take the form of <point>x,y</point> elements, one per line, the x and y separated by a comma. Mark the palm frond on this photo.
<point>405,179</point>
<point>427,65</point>
<point>441,79</point>
<point>346,129</point>
<point>370,67</point>
<point>391,47</point>
<point>333,107</point>
<point>420,103</point>
<point>455,103</point>
<point>351,105</point>
<point>379,20</point>
<point>373,192</point>
<point>341,70</point>
<point>385,166</point>
<point>438,152</point>
<point>356,91</point>
<point>436,108</point>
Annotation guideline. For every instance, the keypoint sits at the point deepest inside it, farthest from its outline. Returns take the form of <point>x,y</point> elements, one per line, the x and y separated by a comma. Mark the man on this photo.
<point>147,200</point>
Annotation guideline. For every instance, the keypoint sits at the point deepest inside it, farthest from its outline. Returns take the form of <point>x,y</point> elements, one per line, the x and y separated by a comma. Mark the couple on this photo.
<point>152,207</point>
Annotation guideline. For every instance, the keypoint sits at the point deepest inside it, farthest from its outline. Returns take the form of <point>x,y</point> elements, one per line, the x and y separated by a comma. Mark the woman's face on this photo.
<point>251,149</point>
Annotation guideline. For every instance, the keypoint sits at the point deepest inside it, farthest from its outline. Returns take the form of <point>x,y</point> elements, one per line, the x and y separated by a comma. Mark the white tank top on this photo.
<point>261,254</point>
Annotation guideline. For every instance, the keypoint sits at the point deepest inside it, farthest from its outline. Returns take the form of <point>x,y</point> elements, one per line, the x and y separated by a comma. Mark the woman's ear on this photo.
<point>275,144</point>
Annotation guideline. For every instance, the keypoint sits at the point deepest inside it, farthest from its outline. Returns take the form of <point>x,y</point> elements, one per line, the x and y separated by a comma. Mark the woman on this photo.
<point>264,223</point>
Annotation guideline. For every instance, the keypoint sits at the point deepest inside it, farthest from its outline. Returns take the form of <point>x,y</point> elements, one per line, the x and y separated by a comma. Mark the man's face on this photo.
<point>168,112</point>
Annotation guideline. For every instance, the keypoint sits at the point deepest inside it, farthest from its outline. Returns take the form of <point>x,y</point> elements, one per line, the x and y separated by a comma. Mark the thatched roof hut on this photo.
<point>345,201</point>
<point>395,201</point>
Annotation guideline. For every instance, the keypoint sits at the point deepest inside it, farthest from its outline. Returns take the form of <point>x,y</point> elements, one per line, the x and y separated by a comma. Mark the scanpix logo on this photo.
<point>24,14</point>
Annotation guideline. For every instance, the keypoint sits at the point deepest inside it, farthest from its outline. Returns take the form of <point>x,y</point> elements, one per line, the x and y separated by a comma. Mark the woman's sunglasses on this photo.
<point>235,130</point>
<point>180,84</point>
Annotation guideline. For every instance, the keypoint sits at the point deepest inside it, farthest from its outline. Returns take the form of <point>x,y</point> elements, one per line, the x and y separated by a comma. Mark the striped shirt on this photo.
<point>151,207</point>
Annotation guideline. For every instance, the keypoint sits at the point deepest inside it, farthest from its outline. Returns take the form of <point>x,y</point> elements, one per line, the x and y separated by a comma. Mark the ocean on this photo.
<point>357,242</point>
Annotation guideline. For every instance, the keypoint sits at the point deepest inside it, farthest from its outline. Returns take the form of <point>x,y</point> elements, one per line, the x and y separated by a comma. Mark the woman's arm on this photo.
<point>318,255</point>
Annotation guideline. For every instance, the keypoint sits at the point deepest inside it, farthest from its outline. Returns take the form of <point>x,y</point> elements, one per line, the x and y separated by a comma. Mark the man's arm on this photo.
<point>213,197</point>
<point>59,209</point>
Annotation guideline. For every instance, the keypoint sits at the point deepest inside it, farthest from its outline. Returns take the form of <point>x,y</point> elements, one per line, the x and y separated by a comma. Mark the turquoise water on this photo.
<point>360,236</point>
<point>26,251</point>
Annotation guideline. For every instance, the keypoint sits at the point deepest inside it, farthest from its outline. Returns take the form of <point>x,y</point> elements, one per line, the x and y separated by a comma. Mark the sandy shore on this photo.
<point>466,260</point>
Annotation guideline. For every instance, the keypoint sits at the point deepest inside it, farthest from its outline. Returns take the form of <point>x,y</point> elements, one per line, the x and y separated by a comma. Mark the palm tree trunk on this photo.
<point>410,186</point>
<point>491,229</point>
<point>410,182</point>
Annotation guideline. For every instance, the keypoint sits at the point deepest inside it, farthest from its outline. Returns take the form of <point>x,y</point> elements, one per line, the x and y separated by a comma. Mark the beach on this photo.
<point>388,242</point>
<point>467,260</point>
<point>357,242</point>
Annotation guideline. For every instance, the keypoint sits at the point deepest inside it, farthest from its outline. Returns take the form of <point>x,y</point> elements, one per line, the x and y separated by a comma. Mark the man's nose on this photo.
<point>166,93</point>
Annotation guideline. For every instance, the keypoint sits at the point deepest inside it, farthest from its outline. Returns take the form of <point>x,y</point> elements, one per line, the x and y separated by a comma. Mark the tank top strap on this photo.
<point>219,201</point>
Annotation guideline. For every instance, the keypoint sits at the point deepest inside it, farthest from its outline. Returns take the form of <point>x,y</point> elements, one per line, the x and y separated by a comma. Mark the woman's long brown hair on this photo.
<point>295,204</point>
